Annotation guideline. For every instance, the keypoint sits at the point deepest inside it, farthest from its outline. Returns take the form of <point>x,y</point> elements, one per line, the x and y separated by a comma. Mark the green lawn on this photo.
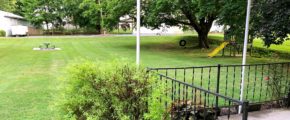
<point>29,79</point>
<point>121,31</point>
<point>285,47</point>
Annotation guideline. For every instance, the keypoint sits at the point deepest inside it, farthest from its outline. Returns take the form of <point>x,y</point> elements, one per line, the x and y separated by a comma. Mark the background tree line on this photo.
<point>270,19</point>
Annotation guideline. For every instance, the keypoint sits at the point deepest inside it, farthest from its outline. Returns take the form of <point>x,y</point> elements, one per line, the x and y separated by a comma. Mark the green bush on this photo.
<point>110,91</point>
<point>156,109</point>
<point>2,33</point>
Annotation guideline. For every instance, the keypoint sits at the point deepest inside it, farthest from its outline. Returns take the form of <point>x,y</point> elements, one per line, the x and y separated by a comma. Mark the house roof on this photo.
<point>11,15</point>
<point>126,19</point>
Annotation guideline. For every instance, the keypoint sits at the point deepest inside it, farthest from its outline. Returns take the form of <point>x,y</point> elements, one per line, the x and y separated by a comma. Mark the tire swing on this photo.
<point>182,43</point>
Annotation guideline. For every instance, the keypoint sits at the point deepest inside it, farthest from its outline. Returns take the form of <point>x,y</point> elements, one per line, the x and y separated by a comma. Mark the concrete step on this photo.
<point>271,114</point>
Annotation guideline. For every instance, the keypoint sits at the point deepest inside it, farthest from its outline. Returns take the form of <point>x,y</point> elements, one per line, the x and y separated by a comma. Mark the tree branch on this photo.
<point>178,21</point>
<point>192,20</point>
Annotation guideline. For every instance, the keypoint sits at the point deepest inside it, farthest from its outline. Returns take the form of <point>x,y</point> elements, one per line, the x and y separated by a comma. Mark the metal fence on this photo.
<point>219,87</point>
<point>185,101</point>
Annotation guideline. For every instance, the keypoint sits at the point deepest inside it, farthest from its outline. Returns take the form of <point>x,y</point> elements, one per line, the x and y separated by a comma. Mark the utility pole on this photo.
<point>138,32</point>
<point>245,52</point>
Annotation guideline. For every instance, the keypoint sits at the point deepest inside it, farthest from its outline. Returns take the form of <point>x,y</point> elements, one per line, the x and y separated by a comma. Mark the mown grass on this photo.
<point>29,80</point>
<point>258,86</point>
<point>259,43</point>
<point>121,31</point>
<point>285,47</point>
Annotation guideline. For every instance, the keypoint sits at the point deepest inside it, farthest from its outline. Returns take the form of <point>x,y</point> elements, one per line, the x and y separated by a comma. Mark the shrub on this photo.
<point>275,80</point>
<point>156,109</point>
<point>110,91</point>
<point>2,33</point>
<point>264,52</point>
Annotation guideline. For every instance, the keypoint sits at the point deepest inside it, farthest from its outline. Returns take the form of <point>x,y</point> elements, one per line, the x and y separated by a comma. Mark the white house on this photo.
<point>176,30</point>
<point>129,23</point>
<point>215,28</point>
<point>163,30</point>
<point>8,20</point>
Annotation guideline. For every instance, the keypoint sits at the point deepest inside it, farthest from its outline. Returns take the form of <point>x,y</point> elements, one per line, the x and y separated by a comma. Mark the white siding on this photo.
<point>216,28</point>
<point>162,30</point>
<point>6,22</point>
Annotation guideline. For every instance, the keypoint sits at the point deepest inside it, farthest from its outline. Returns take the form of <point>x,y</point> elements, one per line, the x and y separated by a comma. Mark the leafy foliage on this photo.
<point>84,13</point>
<point>99,14</point>
<point>271,20</point>
<point>114,9</point>
<point>197,14</point>
<point>275,79</point>
<point>108,91</point>
<point>7,5</point>
<point>233,16</point>
<point>156,109</point>
<point>39,11</point>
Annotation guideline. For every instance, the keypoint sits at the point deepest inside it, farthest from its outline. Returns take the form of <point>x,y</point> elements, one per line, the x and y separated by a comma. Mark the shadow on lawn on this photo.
<point>172,44</point>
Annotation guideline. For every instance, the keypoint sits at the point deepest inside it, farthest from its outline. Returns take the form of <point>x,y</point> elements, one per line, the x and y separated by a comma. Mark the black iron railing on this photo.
<point>264,83</point>
<point>187,101</point>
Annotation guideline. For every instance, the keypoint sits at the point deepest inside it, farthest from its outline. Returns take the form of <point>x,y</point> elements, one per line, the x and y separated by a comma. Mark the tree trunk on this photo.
<point>203,29</point>
<point>46,22</point>
<point>98,29</point>
<point>203,40</point>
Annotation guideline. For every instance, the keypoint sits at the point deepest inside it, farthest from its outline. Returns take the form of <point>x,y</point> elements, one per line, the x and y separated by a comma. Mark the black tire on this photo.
<point>182,43</point>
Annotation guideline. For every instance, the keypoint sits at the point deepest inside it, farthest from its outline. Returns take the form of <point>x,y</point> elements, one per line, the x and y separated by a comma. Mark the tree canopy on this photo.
<point>7,5</point>
<point>270,20</point>
<point>38,12</point>
<point>84,13</point>
<point>233,18</point>
<point>114,9</point>
<point>197,14</point>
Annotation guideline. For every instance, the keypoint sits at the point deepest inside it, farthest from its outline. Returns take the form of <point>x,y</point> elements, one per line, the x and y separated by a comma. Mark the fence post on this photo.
<point>251,49</point>
<point>245,110</point>
<point>218,85</point>
<point>223,52</point>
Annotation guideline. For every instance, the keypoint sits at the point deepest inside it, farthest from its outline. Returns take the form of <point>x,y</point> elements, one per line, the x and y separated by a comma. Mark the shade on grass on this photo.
<point>285,47</point>
<point>29,79</point>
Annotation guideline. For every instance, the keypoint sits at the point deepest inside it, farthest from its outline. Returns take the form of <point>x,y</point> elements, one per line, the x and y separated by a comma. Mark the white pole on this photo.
<point>245,52</point>
<point>138,33</point>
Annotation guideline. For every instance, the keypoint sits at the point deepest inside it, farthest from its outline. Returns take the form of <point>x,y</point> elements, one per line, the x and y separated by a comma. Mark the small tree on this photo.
<point>275,80</point>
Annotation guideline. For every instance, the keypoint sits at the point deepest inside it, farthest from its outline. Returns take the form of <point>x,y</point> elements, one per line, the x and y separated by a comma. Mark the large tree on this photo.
<point>270,20</point>
<point>38,12</point>
<point>198,14</point>
<point>114,9</point>
<point>84,13</point>
<point>102,14</point>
